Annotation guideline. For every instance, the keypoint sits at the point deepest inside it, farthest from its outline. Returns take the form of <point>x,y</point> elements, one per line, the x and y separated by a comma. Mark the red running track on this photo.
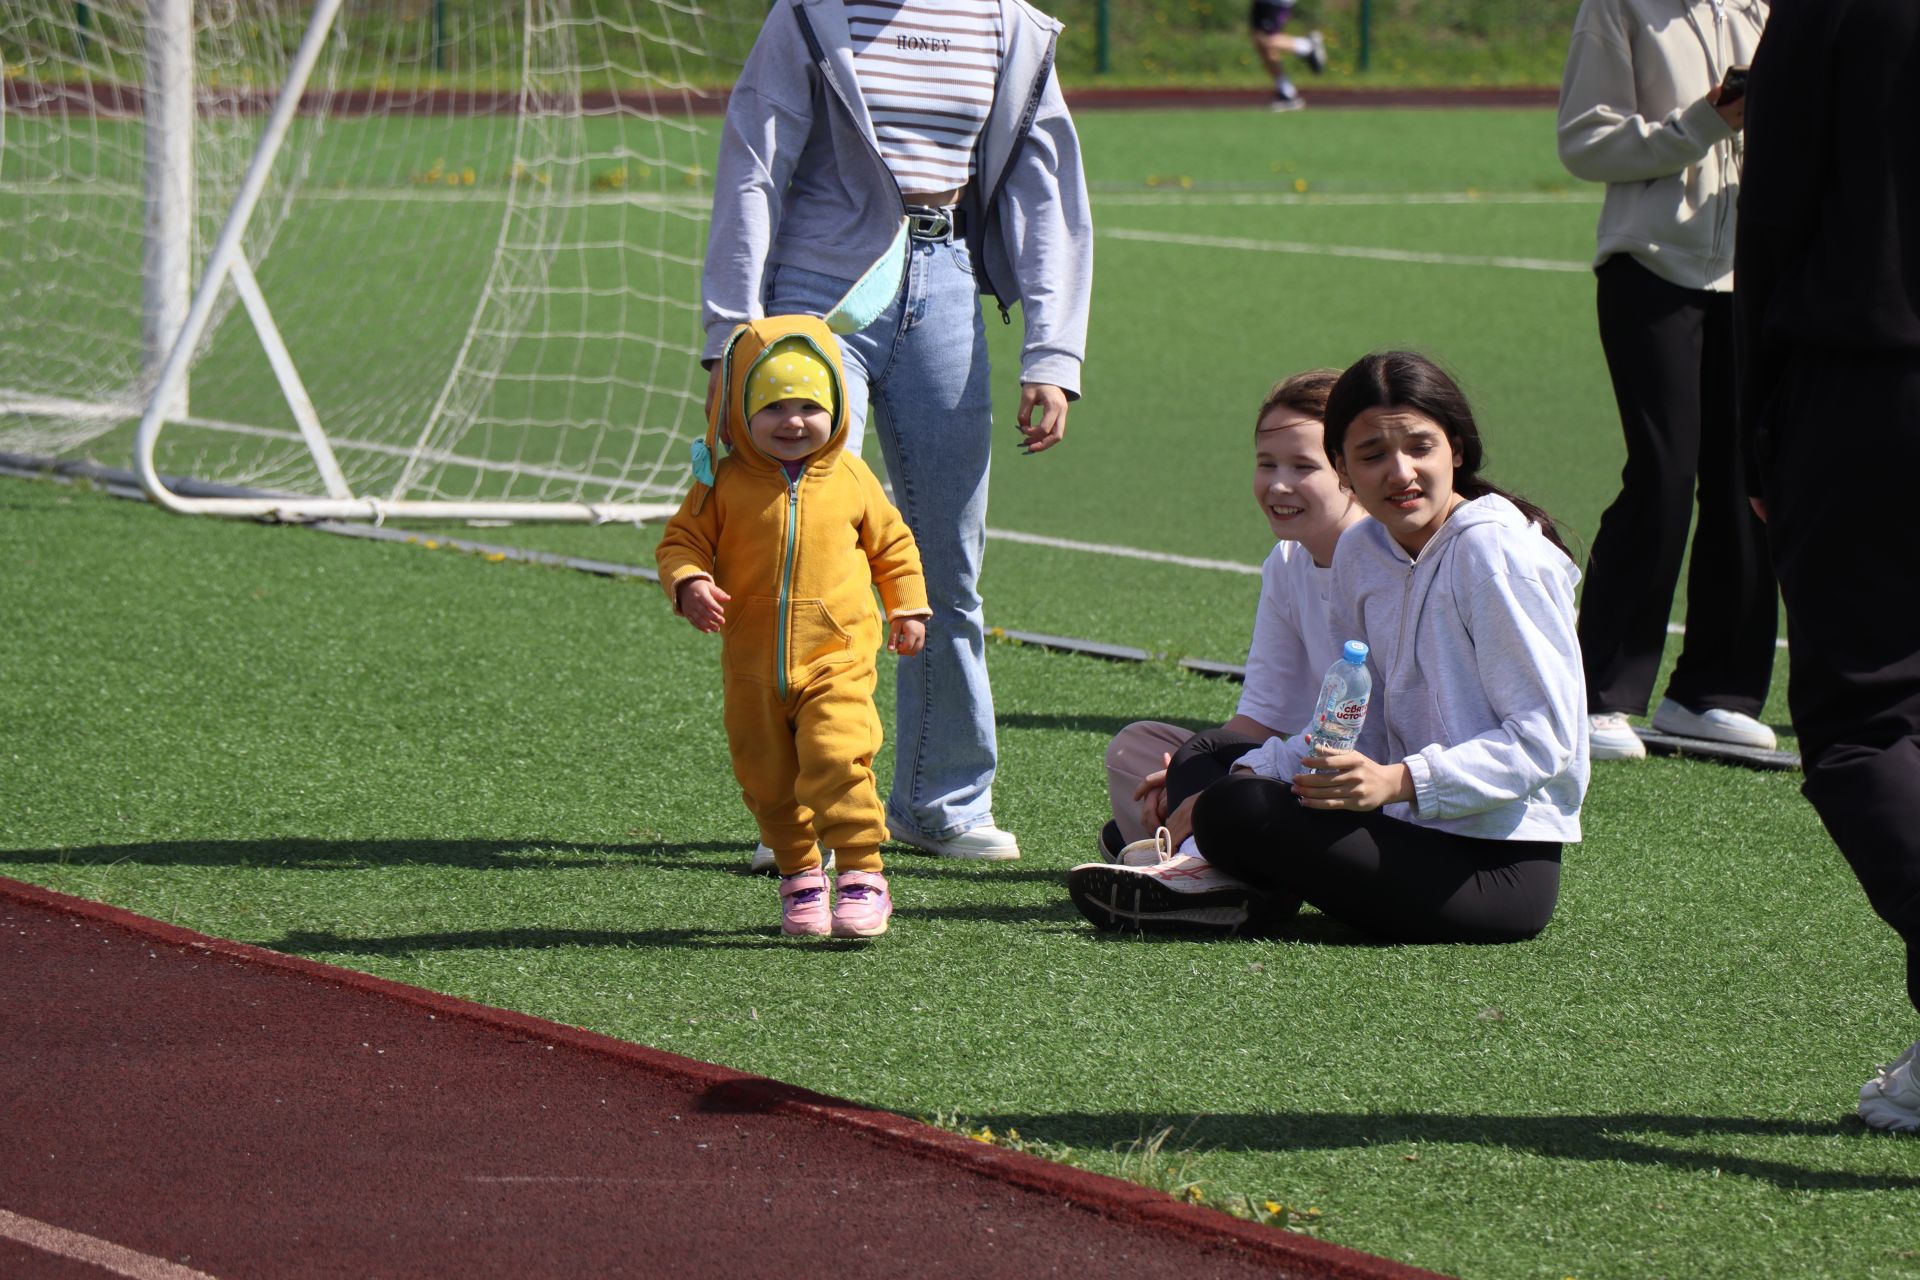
<point>173,1106</point>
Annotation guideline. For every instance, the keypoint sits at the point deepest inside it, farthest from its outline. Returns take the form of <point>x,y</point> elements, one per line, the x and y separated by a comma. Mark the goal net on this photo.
<point>466,275</point>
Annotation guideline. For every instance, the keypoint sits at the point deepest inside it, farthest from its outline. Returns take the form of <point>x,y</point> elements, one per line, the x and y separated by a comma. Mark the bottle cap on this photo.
<point>1355,652</point>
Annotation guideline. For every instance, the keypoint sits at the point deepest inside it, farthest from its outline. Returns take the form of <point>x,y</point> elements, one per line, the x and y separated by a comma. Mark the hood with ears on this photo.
<point>727,419</point>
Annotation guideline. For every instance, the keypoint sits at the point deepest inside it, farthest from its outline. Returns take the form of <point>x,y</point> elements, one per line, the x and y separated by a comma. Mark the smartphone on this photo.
<point>1733,86</point>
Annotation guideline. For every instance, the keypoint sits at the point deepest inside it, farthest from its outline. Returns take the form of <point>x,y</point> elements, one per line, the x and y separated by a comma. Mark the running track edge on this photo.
<point>740,1091</point>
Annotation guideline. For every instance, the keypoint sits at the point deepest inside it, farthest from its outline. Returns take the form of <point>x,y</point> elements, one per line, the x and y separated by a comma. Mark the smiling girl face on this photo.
<point>1294,483</point>
<point>1400,464</point>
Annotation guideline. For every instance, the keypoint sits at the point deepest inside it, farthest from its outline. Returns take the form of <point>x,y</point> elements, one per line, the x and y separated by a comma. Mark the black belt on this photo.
<point>941,225</point>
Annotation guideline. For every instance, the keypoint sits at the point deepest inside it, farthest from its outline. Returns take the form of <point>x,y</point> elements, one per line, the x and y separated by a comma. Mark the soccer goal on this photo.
<point>367,258</point>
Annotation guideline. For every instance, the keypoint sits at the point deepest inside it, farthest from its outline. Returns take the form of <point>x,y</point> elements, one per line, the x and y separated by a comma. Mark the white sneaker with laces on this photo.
<point>1610,737</point>
<point>1714,725</point>
<point>763,863</point>
<point>1891,1100</point>
<point>1152,851</point>
<point>1180,893</point>
<point>986,843</point>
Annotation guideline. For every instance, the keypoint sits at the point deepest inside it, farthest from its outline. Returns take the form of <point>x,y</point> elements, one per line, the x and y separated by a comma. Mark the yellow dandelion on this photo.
<point>1300,184</point>
<point>1275,1207</point>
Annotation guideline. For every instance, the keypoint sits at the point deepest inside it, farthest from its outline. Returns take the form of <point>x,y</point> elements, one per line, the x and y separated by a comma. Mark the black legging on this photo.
<point>1389,878</point>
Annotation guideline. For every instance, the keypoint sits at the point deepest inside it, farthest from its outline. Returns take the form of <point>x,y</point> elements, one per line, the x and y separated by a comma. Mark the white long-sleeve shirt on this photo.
<point>1477,686</point>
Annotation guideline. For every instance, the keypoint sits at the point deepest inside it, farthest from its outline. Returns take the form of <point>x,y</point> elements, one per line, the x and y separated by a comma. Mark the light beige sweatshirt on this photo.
<point>1634,115</point>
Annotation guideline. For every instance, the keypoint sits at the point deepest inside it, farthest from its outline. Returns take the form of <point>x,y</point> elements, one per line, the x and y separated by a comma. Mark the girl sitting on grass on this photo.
<point>1308,509</point>
<point>1445,824</point>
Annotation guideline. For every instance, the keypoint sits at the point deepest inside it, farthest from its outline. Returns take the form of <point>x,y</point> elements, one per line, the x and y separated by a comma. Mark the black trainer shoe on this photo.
<point>1111,841</point>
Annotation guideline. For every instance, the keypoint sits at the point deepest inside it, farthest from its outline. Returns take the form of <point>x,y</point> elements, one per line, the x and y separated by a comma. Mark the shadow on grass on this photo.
<point>309,854</point>
<point>302,854</point>
<point>316,944</point>
<point>1627,1138</point>
<point>1108,725</point>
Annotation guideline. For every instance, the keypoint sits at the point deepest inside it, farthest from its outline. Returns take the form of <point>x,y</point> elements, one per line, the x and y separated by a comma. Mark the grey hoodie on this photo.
<point>1477,686</point>
<point>800,181</point>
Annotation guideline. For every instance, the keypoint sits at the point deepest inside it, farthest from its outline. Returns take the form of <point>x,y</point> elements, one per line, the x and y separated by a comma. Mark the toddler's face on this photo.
<point>1296,487</point>
<point>789,430</point>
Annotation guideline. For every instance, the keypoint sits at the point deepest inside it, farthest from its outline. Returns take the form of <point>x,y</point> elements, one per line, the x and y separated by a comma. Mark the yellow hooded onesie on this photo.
<point>800,559</point>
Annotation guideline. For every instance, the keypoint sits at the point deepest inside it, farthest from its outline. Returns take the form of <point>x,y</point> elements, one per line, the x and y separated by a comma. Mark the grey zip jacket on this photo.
<point>1477,686</point>
<point>800,181</point>
<point>1634,115</point>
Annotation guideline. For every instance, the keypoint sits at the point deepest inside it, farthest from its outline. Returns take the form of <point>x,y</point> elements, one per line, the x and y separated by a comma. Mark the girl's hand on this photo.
<point>1152,794</point>
<point>906,636</point>
<point>1179,823</point>
<point>701,601</point>
<point>1042,416</point>
<point>1349,780</point>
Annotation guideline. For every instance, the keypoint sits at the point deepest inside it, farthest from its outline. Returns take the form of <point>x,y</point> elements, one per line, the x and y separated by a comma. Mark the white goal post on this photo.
<point>464,237</point>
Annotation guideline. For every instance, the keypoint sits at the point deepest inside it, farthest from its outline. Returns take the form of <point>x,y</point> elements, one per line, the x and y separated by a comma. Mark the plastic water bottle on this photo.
<point>1343,702</point>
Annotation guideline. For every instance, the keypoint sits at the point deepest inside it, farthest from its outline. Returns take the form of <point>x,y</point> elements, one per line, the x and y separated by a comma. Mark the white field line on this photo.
<point>442,456</point>
<point>1113,550</point>
<point>698,200</point>
<point>1124,553</point>
<point>92,1250</point>
<point>1310,199</point>
<point>1344,251</point>
<point>694,201</point>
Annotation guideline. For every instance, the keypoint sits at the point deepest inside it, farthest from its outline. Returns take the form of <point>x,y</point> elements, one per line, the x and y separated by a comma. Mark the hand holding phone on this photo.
<point>1733,86</point>
<point>1730,98</point>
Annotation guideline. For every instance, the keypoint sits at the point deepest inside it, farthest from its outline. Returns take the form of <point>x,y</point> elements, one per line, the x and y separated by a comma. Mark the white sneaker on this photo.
<point>1181,894</point>
<point>1891,1100</point>
<point>1716,725</point>
<point>763,860</point>
<point>1152,851</point>
<point>1610,737</point>
<point>986,843</point>
<point>1316,52</point>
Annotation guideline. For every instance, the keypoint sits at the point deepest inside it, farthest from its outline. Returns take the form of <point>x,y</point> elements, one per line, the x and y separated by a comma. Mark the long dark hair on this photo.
<point>1408,380</point>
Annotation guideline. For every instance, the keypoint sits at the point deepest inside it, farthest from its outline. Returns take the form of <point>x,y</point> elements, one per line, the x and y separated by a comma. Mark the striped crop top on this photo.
<point>927,70</point>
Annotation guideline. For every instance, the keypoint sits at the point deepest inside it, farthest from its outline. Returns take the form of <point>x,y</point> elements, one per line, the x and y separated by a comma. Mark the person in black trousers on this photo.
<point>1646,109</point>
<point>1828,302</point>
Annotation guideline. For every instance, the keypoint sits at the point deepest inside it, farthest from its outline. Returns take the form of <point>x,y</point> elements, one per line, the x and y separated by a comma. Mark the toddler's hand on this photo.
<point>701,602</point>
<point>906,636</point>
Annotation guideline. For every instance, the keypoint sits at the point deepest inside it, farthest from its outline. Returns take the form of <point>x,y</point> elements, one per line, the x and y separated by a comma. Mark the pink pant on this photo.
<point>1136,751</point>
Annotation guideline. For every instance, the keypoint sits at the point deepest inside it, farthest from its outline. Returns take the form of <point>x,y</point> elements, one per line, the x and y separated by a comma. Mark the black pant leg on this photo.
<point>1653,334</point>
<point>1203,760</point>
<point>1392,879</point>
<point>1845,558</point>
<point>1733,614</point>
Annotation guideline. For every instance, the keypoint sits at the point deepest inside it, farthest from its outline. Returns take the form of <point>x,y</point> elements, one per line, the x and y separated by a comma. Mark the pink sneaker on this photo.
<point>864,905</point>
<point>803,905</point>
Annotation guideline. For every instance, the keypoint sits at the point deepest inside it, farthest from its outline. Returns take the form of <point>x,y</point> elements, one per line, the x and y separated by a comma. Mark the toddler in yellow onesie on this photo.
<point>801,533</point>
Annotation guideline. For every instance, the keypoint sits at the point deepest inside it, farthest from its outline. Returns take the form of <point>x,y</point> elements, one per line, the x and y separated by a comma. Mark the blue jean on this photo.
<point>923,366</point>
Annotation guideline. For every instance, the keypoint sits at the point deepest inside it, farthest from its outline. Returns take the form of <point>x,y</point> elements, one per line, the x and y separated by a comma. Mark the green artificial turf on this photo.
<point>509,783</point>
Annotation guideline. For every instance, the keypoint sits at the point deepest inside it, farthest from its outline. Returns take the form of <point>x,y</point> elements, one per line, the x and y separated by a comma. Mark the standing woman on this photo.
<point>884,163</point>
<point>1446,821</point>
<point>1642,109</point>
